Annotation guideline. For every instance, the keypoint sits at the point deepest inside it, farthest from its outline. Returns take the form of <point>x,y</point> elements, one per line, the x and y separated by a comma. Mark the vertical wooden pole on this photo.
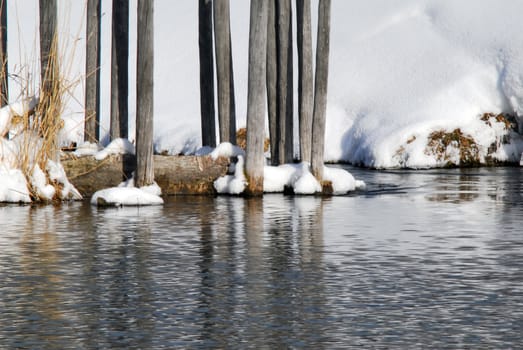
<point>120,70</point>
<point>222,39</point>
<point>272,78</point>
<point>206,73</point>
<point>284,84</point>
<point>92,72</point>
<point>305,78</point>
<point>144,94</point>
<point>50,85</point>
<point>48,13</point>
<point>320,88</point>
<point>4,91</point>
<point>254,162</point>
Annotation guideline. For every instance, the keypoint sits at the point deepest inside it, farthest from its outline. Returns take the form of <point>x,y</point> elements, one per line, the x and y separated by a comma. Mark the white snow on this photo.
<point>227,149</point>
<point>128,195</point>
<point>19,108</point>
<point>399,70</point>
<point>342,180</point>
<point>295,176</point>
<point>19,162</point>
<point>13,187</point>
<point>232,184</point>
<point>117,146</point>
<point>87,149</point>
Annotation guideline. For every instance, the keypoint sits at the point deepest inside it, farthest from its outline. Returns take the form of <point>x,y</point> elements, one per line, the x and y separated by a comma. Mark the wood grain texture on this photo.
<point>176,175</point>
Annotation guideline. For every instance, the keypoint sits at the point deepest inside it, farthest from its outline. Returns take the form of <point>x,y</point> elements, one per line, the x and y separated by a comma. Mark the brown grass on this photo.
<point>241,140</point>
<point>508,120</point>
<point>39,127</point>
<point>440,141</point>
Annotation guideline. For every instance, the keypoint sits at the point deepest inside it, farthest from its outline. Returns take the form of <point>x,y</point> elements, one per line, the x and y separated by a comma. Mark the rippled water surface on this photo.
<point>421,259</point>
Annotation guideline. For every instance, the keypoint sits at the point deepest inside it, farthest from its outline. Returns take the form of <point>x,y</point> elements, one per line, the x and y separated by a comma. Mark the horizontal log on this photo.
<point>176,175</point>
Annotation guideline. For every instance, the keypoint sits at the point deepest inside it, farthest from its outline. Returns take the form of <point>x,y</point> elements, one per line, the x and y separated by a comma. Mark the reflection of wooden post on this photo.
<point>272,77</point>
<point>305,79</point>
<point>206,73</point>
<point>254,162</point>
<point>224,71</point>
<point>284,85</point>
<point>4,91</point>
<point>144,94</point>
<point>320,89</point>
<point>92,72</point>
<point>120,70</point>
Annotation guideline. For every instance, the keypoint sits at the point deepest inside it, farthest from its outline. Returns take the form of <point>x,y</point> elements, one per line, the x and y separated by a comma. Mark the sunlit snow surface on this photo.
<point>128,195</point>
<point>398,69</point>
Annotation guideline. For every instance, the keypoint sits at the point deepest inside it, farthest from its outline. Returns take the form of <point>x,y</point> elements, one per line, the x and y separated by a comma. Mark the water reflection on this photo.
<point>422,259</point>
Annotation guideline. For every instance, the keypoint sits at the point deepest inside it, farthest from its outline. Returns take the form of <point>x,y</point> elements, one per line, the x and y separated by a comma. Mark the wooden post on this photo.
<point>206,73</point>
<point>48,13</point>
<point>144,94</point>
<point>320,88</point>
<point>50,86</point>
<point>272,78</point>
<point>284,84</point>
<point>4,91</point>
<point>222,39</point>
<point>92,72</point>
<point>254,162</point>
<point>120,70</point>
<point>305,79</point>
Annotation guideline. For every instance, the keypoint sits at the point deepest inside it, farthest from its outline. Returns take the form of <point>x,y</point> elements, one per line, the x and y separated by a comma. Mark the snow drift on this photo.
<point>399,69</point>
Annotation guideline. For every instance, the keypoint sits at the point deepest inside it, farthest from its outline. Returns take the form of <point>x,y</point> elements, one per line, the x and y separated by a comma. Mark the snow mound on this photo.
<point>128,195</point>
<point>117,146</point>
<point>22,178</point>
<point>227,149</point>
<point>232,184</point>
<point>295,176</point>
<point>342,181</point>
<point>87,149</point>
<point>13,187</point>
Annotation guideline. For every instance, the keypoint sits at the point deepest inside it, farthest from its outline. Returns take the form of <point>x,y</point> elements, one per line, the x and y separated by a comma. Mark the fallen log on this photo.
<point>176,175</point>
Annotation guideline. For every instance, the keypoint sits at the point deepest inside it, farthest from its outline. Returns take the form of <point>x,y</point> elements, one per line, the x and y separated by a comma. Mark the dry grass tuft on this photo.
<point>441,142</point>
<point>38,129</point>
<point>241,140</point>
<point>508,120</point>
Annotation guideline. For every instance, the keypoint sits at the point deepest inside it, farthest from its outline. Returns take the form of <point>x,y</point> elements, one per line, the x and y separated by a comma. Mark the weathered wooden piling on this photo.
<point>49,107</point>
<point>255,161</point>
<point>4,88</point>
<point>145,94</point>
<point>272,78</point>
<point>92,72</point>
<point>224,71</point>
<point>120,70</point>
<point>305,77</point>
<point>320,88</point>
<point>285,80</point>
<point>208,123</point>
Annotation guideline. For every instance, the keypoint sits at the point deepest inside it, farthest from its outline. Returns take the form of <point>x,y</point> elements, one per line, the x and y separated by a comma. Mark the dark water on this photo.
<point>424,259</point>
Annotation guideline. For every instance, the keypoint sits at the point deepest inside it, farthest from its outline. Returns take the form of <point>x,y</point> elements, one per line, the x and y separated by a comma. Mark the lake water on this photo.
<point>421,259</point>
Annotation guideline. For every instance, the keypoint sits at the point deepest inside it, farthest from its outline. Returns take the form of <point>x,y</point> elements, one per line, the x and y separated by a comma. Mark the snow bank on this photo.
<point>21,177</point>
<point>13,187</point>
<point>398,69</point>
